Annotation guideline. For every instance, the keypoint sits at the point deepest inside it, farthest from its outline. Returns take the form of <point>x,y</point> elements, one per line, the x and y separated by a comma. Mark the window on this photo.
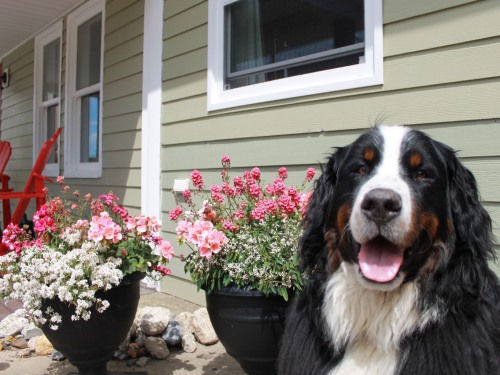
<point>47,94</point>
<point>84,87</point>
<point>261,50</point>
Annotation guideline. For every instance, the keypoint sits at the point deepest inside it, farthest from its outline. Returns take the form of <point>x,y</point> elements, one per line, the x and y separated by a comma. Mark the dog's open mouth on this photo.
<point>380,260</point>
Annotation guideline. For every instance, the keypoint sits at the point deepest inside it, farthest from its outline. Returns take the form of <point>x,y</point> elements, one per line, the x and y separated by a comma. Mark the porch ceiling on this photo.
<point>21,19</point>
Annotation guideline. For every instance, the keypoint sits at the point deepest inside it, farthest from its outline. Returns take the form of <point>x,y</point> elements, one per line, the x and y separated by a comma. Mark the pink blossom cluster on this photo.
<point>11,237</point>
<point>203,235</point>
<point>103,227</point>
<point>234,203</point>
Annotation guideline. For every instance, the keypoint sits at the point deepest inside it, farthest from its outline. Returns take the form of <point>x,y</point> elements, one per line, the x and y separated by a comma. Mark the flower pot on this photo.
<point>89,344</point>
<point>249,325</point>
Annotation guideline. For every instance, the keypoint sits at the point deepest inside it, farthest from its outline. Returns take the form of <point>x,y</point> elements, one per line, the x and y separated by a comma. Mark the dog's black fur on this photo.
<point>447,260</point>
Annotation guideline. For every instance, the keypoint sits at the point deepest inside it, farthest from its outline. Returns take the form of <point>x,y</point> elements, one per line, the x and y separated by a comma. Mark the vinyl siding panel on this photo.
<point>441,75</point>
<point>17,113</point>
<point>122,104</point>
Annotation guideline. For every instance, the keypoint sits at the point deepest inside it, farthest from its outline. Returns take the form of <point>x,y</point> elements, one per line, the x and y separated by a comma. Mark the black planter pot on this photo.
<point>90,344</point>
<point>249,325</point>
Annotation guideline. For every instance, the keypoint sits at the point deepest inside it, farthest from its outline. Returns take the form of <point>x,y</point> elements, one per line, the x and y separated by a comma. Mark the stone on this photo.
<point>56,355</point>
<point>142,361</point>
<point>20,343</point>
<point>12,324</point>
<point>156,347</point>
<point>43,346</point>
<point>153,320</point>
<point>139,340</point>
<point>120,355</point>
<point>133,350</point>
<point>202,327</point>
<point>32,343</point>
<point>189,343</point>
<point>132,361</point>
<point>31,330</point>
<point>173,333</point>
<point>123,347</point>
<point>184,319</point>
<point>23,353</point>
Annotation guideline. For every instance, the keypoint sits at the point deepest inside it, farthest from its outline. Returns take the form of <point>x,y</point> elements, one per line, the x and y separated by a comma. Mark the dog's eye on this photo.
<point>420,174</point>
<point>362,170</point>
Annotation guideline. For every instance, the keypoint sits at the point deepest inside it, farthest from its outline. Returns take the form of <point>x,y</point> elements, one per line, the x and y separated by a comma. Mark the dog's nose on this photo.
<point>381,205</point>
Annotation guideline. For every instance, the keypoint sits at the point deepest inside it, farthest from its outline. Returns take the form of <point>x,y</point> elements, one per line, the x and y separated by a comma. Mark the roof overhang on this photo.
<point>22,19</point>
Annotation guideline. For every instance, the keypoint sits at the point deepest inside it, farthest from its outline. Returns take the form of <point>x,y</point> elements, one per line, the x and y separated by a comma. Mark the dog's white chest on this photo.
<point>366,359</point>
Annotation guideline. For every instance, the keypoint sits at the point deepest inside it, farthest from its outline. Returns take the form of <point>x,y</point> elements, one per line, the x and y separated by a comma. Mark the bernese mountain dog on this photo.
<point>395,253</point>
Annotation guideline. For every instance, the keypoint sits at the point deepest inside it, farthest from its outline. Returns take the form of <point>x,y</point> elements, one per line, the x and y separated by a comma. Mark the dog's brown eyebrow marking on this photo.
<point>415,160</point>
<point>369,154</point>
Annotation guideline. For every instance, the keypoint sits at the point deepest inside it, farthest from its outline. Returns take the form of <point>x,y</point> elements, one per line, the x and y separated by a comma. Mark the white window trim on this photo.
<point>39,134</point>
<point>72,165</point>
<point>368,73</point>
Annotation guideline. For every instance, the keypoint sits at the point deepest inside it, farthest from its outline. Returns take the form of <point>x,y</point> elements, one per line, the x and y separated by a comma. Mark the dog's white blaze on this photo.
<point>370,323</point>
<point>387,175</point>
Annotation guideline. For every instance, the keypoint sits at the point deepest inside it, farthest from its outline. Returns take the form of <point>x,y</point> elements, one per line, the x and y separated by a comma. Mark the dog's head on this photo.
<point>397,206</point>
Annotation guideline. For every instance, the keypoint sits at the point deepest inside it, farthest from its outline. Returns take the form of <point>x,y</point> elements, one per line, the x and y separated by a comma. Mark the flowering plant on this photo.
<point>245,233</point>
<point>82,245</point>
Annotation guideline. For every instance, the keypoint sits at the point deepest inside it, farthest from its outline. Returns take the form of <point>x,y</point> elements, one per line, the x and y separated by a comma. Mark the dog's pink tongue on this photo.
<point>380,260</point>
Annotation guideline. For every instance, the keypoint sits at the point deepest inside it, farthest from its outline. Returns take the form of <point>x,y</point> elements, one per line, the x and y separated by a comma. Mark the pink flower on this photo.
<point>216,195</point>
<point>197,230</point>
<point>286,204</point>
<point>226,161</point>
<point>228,190</point>
<point>270,189</point>
<point>175,213</point>
<point>162,269</point>
<point>102,227</point>
<point>211,243</point>
<point>279,186</point>
<point>282,173</point>
<point>182,228</point>
<point>310,174</point>
<point>80,224</point>
<point>197,179</point>
<point>238,185</point>
<point>186,194</point>
<point>166,249</point>
<point>304,202</point>
<point>227,225</point>
<point>254,189</point>
<point>256,173</point>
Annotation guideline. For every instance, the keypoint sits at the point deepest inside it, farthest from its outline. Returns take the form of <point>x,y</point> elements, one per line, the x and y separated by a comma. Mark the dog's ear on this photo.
<point>313,258</point>
<point>471,222</point>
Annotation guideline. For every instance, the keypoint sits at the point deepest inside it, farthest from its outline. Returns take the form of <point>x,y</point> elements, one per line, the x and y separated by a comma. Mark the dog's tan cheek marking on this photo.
<point>343,217</point>
<point>414,231</point>
<point>334,257</point>
<point>430,222</point>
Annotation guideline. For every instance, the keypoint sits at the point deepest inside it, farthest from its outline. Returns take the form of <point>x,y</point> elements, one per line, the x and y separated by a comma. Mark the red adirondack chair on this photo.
<point>34,188</point>
<point>5,153</point>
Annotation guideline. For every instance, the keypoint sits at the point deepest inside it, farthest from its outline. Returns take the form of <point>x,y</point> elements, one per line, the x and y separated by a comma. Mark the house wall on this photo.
<point>122,107</point>
<point>441,75</point>
<point>17,113</point>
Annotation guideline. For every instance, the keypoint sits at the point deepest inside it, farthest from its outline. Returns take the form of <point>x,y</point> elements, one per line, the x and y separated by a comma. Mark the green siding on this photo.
<point>122,90</point>
<point>122,105</point>
<point>441,75</point>
<point>17,115</point>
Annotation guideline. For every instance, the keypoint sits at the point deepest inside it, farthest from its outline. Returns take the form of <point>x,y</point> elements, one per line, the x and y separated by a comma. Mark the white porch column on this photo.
<point>151,109</point>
